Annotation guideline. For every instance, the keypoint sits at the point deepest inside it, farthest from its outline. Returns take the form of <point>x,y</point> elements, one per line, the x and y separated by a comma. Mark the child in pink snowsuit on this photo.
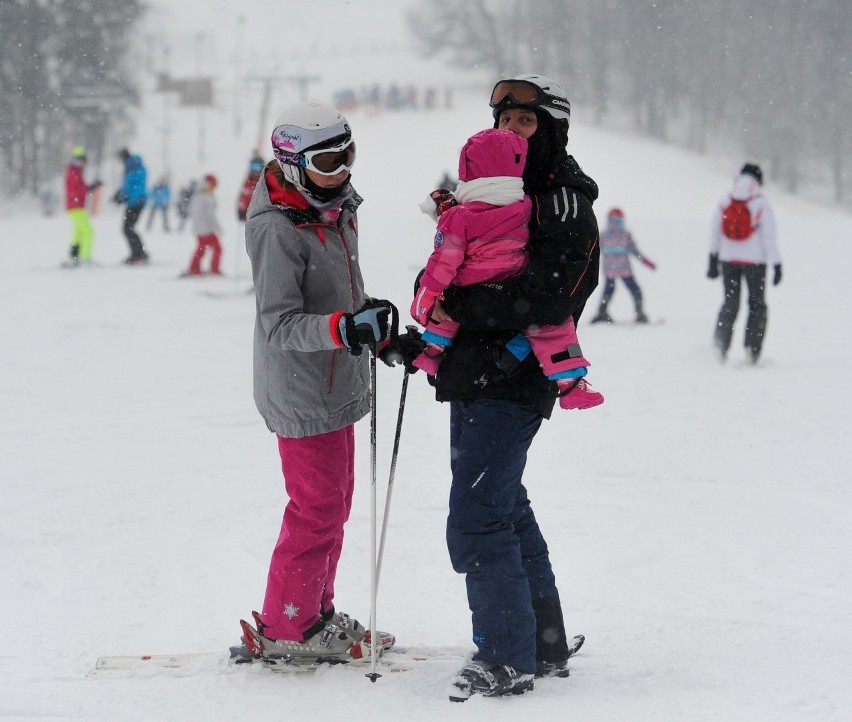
<point>482,237</point>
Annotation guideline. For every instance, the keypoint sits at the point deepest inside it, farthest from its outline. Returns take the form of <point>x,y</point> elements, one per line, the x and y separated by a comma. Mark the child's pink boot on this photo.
<point>577,394</point>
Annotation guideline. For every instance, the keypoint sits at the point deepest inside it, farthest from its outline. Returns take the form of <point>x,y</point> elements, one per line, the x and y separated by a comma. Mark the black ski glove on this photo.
<point>713,268</point>
<point>776,278</point>
<point>369,325</point>
<point>403,349</point>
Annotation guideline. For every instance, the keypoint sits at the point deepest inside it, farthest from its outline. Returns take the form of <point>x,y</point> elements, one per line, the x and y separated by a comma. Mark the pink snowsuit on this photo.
<point>479,241</point>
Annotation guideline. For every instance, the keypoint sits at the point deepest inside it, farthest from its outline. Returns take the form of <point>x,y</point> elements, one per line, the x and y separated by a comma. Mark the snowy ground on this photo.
<point>698,521</point>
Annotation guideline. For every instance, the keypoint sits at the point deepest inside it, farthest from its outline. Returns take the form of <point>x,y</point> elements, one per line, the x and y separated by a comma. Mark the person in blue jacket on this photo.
<point>161,195</point>
<point>133,194</point>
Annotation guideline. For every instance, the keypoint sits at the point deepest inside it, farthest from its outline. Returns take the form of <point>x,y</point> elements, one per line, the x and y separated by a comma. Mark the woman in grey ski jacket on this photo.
<point>311,382</point>
<point>305,271</point>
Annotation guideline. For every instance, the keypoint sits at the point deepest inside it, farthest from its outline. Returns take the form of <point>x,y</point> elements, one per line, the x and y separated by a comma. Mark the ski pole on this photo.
<point>392,475</point>
<point>374,558</point>
<point>372,675</point>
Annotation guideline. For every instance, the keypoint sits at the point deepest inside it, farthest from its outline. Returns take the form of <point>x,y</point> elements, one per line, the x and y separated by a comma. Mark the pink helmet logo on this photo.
<point>287,140</point>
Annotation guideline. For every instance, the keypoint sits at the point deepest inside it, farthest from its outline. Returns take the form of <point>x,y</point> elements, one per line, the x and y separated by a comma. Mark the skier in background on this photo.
<point>743,239</point>
<point>202,211</point>
<point>617,245</point>
<point>133,194</point>
<point>184,200</point>
<point>447,183</point>
<point>161,195</point>
<point>76,192</point>
<point>255,169</point>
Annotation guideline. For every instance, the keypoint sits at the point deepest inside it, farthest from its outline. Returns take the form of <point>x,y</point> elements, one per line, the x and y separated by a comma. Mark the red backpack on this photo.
<point>736,221</point>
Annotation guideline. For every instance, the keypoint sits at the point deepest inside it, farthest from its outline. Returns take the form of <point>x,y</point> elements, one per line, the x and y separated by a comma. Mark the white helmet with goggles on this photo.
<point>534,92</point>
<point>312,135</point>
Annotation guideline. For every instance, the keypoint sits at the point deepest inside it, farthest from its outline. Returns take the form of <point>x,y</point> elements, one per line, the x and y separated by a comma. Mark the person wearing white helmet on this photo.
<point>311,381</point>
<point>499,397</point>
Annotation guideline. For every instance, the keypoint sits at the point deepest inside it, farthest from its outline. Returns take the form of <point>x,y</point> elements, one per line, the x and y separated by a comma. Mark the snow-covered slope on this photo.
<point>698,521</point>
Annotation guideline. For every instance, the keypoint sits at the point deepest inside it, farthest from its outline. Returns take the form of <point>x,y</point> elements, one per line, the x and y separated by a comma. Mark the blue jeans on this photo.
<point>492,535</point>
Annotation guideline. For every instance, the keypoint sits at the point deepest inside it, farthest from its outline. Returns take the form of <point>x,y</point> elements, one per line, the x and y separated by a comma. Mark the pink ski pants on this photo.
<point>319,477</point>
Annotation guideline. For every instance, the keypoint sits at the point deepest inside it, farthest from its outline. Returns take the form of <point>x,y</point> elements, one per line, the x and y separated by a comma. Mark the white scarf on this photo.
<point>495,190</point>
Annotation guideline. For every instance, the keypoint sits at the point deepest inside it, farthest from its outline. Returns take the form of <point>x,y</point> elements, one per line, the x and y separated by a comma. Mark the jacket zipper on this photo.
<point>318,227</point>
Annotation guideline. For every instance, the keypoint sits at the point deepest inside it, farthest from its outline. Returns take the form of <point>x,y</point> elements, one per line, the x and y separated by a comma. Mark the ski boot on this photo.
<point>603,316</point>
<point>356,630</point>
<point>326,643</point>
<point>489,680</point>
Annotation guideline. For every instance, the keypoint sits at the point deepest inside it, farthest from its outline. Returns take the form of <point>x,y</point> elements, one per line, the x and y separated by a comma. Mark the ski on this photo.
<point>632,324</point>
<point>228,294</point>
<point>395,661</point>
<point>126,663</point>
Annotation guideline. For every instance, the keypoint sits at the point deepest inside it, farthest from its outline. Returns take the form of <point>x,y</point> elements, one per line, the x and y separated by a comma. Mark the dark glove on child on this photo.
<point>776,278</point>
<point>369,325</point>
<point>443,199</point>
<point>403,349</point>
<point>713,268</point>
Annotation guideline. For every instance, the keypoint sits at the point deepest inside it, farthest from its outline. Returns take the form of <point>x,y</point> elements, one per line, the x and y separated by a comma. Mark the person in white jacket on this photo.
<point>743,241</point>
<point>202,212</point>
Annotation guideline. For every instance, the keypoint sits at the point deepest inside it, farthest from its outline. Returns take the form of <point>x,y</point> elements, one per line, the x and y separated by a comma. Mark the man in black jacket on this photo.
<point>498,402</point>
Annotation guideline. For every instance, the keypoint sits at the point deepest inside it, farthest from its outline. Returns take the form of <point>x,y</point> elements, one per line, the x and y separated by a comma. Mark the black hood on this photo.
<point>545,151</point>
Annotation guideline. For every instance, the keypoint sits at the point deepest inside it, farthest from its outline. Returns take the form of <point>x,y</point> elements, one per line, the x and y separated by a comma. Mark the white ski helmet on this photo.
<point>308,125</point>
<point>531,91</point>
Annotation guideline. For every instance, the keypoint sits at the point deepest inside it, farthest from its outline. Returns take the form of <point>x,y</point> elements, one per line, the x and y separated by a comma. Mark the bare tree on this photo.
<point>58,60</point>
<point>770,80</point>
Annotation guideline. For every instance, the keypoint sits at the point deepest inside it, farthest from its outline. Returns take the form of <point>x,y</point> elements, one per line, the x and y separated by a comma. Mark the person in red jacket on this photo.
<point>255,169</point>
<point>76,191</point>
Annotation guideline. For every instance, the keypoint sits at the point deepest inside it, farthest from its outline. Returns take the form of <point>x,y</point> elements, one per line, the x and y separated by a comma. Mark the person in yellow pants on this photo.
<point>76,191</point>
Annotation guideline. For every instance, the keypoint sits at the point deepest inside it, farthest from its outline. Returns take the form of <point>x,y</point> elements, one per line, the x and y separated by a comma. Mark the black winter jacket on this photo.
<point>561,274</point>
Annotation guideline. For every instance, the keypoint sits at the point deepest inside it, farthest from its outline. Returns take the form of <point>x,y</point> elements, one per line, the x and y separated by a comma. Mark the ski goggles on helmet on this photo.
<point>508,93</point>
<point>330,161</point>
